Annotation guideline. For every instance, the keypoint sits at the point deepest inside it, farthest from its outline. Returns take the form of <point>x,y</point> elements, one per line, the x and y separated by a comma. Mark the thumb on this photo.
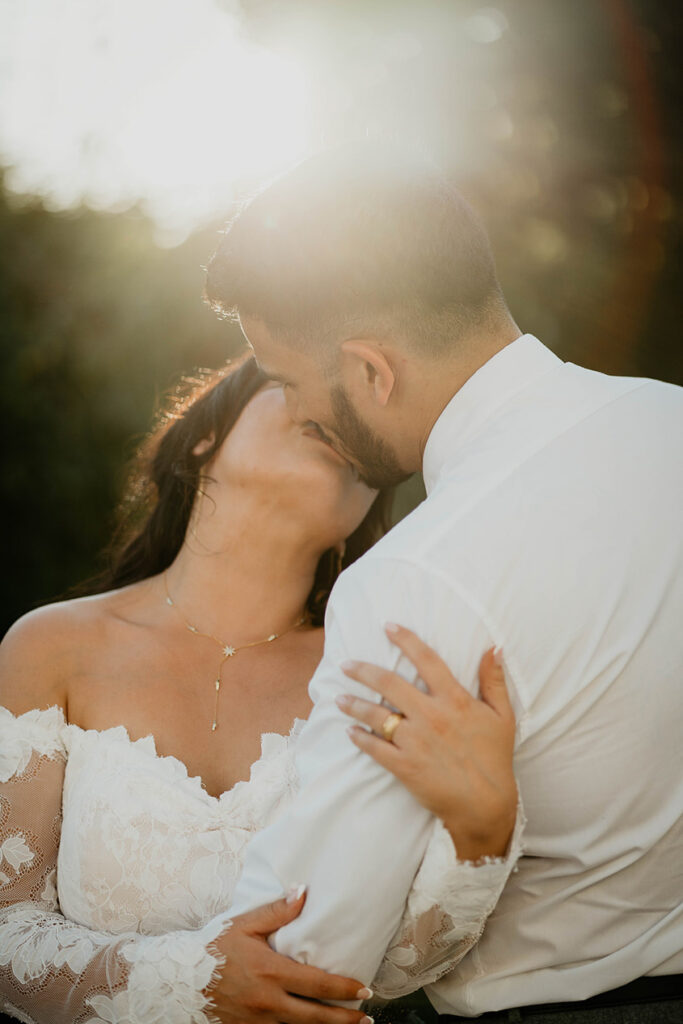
<point>492,685</point>
<point>271,916</point>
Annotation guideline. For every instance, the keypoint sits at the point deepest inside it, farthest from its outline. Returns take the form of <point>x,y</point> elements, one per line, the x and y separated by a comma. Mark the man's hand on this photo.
<point>451,750</point>
<point>259,986</point>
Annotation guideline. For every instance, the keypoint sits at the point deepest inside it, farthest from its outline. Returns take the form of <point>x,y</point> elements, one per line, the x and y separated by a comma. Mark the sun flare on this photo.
<point>165,102</point>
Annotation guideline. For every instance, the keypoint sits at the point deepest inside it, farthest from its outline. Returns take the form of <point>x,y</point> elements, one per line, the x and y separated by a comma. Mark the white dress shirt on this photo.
<point>553,528</point>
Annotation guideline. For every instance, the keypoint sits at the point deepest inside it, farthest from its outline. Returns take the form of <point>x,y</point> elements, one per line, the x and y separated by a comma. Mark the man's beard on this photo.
<point>377,464</point>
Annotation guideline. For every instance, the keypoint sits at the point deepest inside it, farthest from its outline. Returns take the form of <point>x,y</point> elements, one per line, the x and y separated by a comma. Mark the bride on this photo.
<point>149,730</point>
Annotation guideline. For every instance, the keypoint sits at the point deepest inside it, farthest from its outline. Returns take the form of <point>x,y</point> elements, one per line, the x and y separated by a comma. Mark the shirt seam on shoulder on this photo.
<point>427,542</point>
<point>482,614</point>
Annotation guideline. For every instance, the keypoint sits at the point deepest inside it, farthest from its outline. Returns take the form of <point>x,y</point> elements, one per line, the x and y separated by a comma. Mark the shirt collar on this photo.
<point>480,397</point>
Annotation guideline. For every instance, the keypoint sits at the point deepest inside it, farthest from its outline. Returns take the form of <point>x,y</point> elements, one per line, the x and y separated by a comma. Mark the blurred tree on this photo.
<point>95,322</point>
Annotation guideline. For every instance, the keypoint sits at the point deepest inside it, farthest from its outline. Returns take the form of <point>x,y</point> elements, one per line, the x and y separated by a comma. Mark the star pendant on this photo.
<point>228,651</point>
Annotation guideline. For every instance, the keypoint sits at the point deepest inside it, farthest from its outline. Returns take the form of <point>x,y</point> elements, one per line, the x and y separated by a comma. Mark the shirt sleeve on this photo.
<point>354,834</point>
<point>52,970</point>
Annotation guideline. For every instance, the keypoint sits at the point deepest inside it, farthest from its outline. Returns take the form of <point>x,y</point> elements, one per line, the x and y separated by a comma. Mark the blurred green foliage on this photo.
<point>564,134</point>
<point>96,324</point>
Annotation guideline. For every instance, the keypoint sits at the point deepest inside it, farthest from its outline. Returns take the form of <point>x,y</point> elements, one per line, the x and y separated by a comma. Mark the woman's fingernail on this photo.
<point>367,1020</point>
<point>498,656</point>
<point>295,892</point>
<point>365,993</point>
<point>349,666</point>
<point>343,701</point>
<point>391,627</point>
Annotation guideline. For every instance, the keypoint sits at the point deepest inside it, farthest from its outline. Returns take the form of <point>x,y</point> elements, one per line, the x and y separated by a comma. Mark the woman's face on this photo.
<point>291,470</point>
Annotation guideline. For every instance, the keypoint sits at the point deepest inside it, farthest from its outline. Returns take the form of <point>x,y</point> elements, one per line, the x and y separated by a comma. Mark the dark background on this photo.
<point>564,132</point>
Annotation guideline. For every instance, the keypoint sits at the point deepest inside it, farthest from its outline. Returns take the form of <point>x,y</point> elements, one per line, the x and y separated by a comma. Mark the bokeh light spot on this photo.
<point>486,26</point>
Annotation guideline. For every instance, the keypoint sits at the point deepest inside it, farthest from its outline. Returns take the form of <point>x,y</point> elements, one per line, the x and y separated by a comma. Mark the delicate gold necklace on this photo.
<point>228,650</point>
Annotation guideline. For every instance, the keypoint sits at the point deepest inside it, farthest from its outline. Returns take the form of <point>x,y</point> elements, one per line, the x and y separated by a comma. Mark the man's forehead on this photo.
<point>251,329</point>
<point>257,338</point>
<point>278,359</point>
<point>260,338</point>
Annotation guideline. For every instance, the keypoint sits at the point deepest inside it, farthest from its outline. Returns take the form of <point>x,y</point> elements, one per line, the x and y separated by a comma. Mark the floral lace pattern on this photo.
<point>144,847</point>
<point>109,915</point>
<point>445,913</point>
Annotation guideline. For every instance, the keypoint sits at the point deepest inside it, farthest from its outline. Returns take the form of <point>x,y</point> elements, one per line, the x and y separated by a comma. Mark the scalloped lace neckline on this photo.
<point>273,744</point>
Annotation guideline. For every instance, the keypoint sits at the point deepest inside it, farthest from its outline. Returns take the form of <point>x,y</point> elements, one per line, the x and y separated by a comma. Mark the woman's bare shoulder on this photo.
<point>45,647</point>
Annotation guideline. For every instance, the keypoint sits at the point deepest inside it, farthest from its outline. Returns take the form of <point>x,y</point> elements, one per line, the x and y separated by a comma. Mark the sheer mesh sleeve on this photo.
<point>445,914</point>
<point>53,971</point>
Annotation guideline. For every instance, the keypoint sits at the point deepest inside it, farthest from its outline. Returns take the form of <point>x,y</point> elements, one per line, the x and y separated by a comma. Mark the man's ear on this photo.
<point>368,369</point>
<point>204,445</point>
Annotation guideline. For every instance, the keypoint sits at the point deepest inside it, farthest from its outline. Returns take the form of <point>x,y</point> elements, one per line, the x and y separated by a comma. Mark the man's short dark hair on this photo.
<point>361,240</point>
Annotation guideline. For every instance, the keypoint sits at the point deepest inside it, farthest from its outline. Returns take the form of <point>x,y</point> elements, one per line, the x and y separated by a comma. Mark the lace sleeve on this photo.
<point>445,914</point>
<point>53,971</point>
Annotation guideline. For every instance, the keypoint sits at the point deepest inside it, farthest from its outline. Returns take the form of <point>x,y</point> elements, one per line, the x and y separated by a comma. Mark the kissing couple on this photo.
<point>501,670</point>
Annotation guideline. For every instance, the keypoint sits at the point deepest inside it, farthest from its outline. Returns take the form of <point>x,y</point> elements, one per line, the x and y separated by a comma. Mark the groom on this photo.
<point>552,528</point>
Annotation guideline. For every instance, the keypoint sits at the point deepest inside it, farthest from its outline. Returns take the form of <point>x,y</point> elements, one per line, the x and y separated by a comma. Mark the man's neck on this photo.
<point>446,378</point>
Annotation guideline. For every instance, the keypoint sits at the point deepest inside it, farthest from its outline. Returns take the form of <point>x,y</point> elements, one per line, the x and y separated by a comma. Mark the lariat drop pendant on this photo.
<point>214,724</point>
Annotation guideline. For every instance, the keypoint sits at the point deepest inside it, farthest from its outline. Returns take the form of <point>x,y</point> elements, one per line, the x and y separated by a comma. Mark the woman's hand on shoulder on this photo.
<point>36,657</point>
<point>451,750</point>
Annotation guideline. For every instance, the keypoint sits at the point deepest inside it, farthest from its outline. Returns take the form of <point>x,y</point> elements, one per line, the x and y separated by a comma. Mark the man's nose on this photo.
<point>294,406</point>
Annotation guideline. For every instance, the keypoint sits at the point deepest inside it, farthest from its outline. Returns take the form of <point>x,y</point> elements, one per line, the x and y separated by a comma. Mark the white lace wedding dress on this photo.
<point>117,871</point>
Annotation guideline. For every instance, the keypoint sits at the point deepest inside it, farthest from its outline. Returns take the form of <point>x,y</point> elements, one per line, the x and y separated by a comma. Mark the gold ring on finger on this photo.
<point>390,725</point>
